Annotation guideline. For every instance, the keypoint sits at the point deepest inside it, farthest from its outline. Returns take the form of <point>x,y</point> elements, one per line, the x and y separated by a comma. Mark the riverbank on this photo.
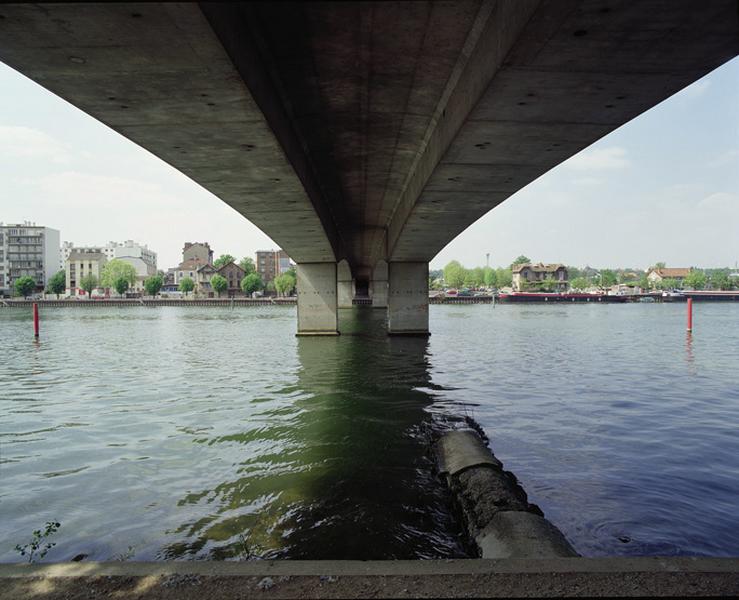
<point>543,578</point>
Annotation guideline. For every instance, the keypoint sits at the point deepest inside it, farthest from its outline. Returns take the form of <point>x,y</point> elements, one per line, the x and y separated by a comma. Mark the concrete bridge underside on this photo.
<point>363,137</point>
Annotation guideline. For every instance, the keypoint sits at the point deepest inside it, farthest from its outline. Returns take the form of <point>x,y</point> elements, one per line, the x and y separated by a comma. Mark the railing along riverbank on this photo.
<point>134,302</point>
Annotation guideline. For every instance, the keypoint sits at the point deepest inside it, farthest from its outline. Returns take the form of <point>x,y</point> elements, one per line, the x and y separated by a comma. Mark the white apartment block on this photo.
<point>27,249</point>
<point>138,255</point>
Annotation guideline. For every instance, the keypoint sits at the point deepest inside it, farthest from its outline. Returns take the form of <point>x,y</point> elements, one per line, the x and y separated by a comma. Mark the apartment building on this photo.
<point>27,249</point>
<point>271,263</point>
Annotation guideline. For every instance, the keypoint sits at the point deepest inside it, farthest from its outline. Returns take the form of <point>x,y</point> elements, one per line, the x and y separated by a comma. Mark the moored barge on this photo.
<point>517,297</point>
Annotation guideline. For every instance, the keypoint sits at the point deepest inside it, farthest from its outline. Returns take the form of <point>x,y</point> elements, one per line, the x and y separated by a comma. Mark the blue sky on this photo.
<point>664,187</point>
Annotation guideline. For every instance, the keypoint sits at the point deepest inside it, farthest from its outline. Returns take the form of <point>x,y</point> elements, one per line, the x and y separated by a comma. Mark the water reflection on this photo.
<point>337,473</point>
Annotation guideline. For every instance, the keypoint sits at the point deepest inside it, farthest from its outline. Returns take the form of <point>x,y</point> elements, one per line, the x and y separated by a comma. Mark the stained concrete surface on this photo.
<point>544,578</point>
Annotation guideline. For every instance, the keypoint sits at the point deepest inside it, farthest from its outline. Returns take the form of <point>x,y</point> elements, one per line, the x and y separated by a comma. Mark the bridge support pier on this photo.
<point>344,285</point>
<point>408,298</point>
<point>378,285</point>
<point>317,301</point>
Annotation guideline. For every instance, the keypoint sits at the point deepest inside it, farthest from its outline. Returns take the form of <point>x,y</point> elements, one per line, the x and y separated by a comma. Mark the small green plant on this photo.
<point>38,547</point>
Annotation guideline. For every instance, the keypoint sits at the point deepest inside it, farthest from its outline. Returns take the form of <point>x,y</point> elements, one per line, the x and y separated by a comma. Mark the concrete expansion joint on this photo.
<point>495,508</point>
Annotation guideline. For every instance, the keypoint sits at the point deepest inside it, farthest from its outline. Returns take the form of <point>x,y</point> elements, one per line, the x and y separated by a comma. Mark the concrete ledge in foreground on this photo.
<point>533,578</point>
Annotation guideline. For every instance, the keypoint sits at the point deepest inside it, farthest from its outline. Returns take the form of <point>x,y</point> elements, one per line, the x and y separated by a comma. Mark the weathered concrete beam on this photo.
<point>497,512</point>
<point>379,285</point>
<point>408,299</point>
<point>317,301</point>
<point>542,578</point>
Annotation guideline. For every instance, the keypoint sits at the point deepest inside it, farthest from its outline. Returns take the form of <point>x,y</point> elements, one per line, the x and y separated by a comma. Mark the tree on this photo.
<point>248,265</point>
<point>660,265</point>
<point>580,283</point>
<point>153,284</point>
<point>668,284</point>
<point>644,282</point>
<point>608,278</point>
<point>24,285</point>
<point>548,285</point>
<point>219,284</point>
<point>253,283</point>
<point>469,278</point>
<point>57,284</point>
<point>696,279</point>
<point>117,269</point>
<point>720,280</point>
<point>521,260</point>
<point>89,283</point>
<point>223,259</point>
<point>488,277</point>
<point>121,286</point>
<point>503,277</point>
<point>187,285</point>
<point>454,274</point>
<point>285,284</point>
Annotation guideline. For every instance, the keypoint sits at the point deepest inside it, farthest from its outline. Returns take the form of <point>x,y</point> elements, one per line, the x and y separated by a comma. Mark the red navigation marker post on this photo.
<point>690,315</point>
<point>35,319</point>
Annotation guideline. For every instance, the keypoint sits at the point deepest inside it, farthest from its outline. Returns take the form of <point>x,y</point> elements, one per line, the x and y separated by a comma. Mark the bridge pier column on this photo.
<point>344,285</point>
<point>408,298</point>
<point>317,302</point>
<point>378,285</point>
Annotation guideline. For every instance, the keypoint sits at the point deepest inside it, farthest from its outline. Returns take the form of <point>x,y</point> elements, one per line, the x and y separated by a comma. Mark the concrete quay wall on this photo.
<point>476,578</point>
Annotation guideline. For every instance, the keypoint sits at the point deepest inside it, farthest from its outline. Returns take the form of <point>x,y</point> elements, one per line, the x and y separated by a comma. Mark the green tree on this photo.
<point>253,283</point>
<point>696,279</point>
<point>521,260</point>
<point>488,277</point>
<point>121,286</point>
<point>644,282</point>
<point>219,284</point>
<point>660,265</point>
<point>549,284</point>
<point>117,269</point>
<point>57,284</point>
<point>608,278</point>
<point>153,284</point>
<point>720,280</point>
<point>469,279</point>
<point>580,283</point>
<point>503,277</point>
<point>454,274</point>
<point>285,284</point>
<point>668,284</point>
<point>187,285</point>
<point>248,265</point>
<point>89,283</point>
<point>223,259</point>
<point>24,286</point>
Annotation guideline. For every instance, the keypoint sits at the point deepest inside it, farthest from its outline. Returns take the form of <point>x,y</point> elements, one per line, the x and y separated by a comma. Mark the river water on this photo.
<point>193,433</point>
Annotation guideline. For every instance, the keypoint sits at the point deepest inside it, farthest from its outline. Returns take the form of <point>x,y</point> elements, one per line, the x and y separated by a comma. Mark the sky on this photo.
<point>663,187</point>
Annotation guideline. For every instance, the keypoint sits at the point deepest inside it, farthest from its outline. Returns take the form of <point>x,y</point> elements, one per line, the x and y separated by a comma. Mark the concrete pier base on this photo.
<point>379,285</point>
<point>408,298</point>
<point>317,299</point>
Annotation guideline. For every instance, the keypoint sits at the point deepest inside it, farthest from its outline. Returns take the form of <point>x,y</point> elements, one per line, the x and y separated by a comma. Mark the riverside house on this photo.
<point>656,276</point>
<point>526,276</point>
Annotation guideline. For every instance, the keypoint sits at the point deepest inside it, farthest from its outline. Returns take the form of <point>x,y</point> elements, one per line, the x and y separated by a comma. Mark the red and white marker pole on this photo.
<point>690,315</point>
<point>35,319</point>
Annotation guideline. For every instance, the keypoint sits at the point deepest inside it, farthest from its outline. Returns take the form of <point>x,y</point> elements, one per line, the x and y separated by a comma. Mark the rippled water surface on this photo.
<point>159,433</point>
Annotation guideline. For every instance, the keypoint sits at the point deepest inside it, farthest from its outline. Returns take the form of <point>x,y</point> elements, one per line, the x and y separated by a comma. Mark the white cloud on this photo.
<point>26,142</point>
<point>720,201</point>
<point>730,157</point>
<point>595,159</point>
